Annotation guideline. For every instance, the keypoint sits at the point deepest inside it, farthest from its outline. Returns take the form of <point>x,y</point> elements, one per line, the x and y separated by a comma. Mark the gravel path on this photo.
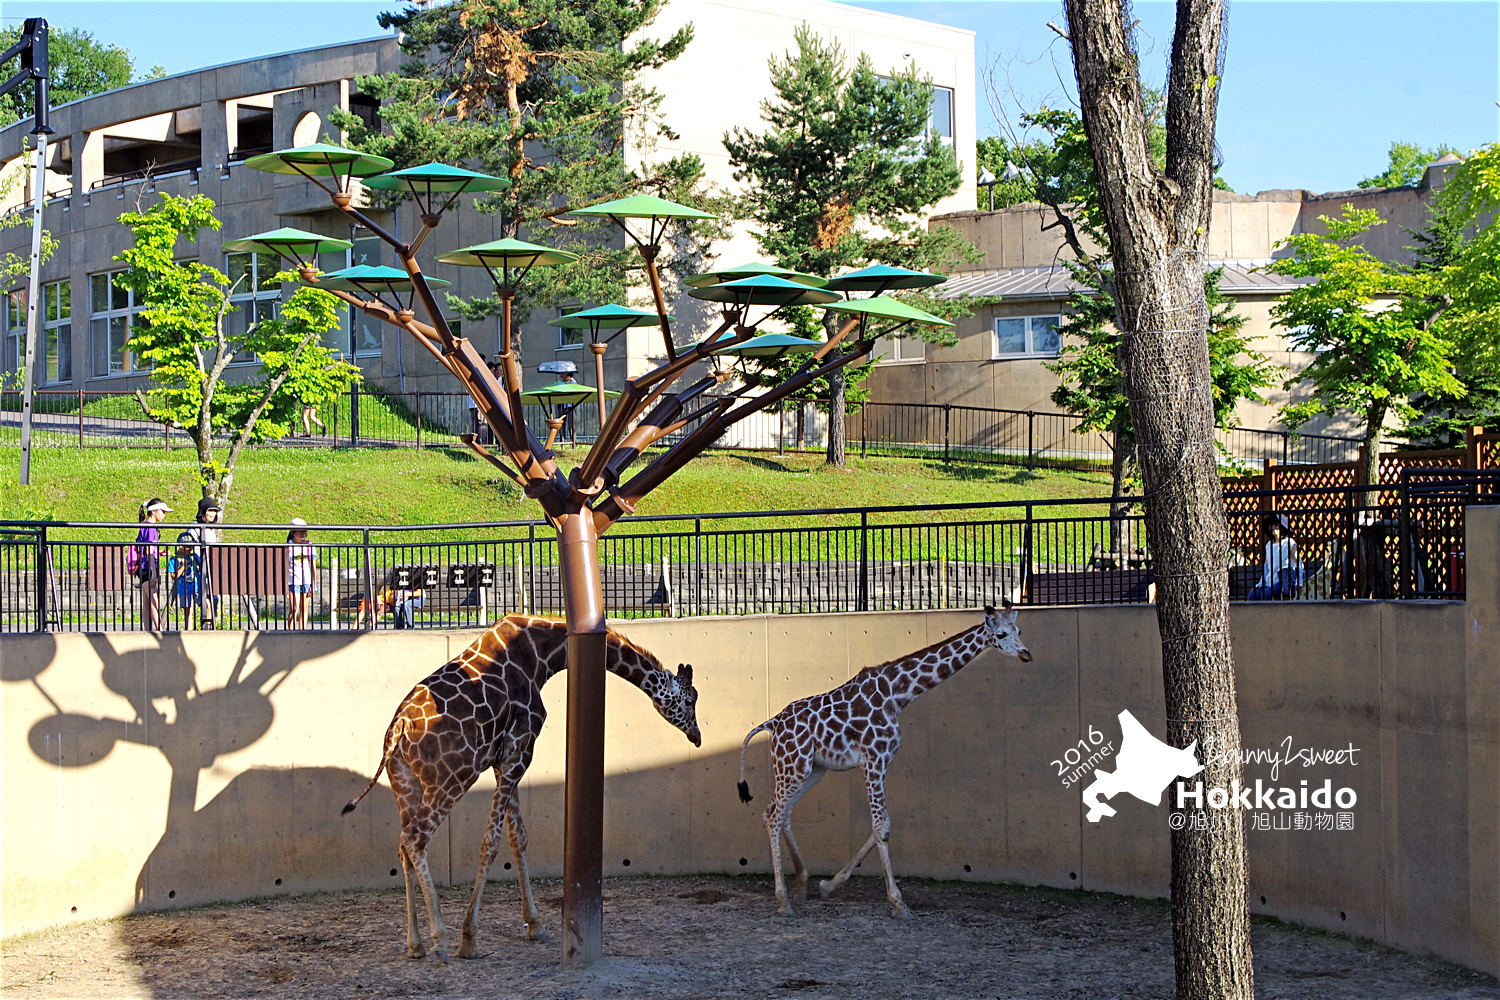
<point>698,938</point>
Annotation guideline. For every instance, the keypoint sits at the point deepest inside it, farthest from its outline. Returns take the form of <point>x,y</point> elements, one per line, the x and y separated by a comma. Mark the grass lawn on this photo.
<point>402,486</point>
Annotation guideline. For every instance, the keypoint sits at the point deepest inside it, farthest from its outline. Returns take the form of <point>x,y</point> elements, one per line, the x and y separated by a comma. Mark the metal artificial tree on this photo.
<point>587,501</point>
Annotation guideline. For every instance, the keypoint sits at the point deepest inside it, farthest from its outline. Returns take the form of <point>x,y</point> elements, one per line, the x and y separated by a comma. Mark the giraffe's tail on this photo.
<point>385,755</point>
<point>744,786</point>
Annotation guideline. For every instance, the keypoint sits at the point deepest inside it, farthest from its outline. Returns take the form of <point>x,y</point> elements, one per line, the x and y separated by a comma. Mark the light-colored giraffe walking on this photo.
<point>856,725</point>
<point>484,709</point>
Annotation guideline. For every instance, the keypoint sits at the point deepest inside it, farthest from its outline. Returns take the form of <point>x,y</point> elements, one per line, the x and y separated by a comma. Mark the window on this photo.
<point>570,338</point>
<point>253,291</point>
<point>112,312</point>
<point>941,120</point>
<point>1022,336</point>
<point>891,350</point>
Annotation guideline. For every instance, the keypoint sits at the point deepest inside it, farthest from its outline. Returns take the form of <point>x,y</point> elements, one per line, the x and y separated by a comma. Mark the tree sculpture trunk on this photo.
<point>1158,227</point>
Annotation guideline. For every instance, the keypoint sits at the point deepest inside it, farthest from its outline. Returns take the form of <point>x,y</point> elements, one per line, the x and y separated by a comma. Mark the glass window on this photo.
<point>112,312</point>
<point>570,337</point>
<point>942,113</point>
<point>254,292</point>
<point>54,361</point>
<point>891,349</point>
<point>1020,336</point>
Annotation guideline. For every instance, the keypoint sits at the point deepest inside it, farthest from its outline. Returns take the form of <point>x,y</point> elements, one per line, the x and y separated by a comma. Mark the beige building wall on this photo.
<point>143,774</point>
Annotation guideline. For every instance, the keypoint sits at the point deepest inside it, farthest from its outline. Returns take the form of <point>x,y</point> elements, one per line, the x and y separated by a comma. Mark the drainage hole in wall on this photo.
<point>1073,876</point>
<point>75,909</point>
<point>172,894</point>
<point>967,868</point>
<point>1343,915</point>
<point>278,881</point>
<point>743,862</point>
<point>626,862</point>
<point>507,866</point>
<point>393,873</point>
<point>1262,901</point>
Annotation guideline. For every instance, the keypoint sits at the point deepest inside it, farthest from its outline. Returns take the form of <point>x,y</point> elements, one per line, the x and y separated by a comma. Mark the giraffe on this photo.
<point>484,709</point>
<point>855,725</point>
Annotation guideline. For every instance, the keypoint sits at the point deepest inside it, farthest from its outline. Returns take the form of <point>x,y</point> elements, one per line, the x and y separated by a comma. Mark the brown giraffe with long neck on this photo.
<point>856,725</point>
<point>483,710</point>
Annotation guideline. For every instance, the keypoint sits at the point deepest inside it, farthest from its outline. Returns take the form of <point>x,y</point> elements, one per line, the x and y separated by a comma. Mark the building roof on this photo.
<point>1241,277</point>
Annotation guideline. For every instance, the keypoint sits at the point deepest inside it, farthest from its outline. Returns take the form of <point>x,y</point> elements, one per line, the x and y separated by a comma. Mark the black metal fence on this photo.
<point>85,577</point>
<point>375,419</point>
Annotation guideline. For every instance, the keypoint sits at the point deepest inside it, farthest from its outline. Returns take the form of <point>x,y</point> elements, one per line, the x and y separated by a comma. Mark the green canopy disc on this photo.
<point>764,290</point>
<point>320,160</point>
<point>295,243</point>
<point>882,307</point>
<point>751,270</point>
<point>436,178</point>
<point>642,206</point>
<point>608,318</point>
<point>563,394</point>
<point>507,253</point>
<point>880,278</point>
<point>772,345</point>
<point>371,280</point>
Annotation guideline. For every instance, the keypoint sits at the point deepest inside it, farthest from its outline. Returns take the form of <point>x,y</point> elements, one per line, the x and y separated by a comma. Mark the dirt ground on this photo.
<point>701,937</point>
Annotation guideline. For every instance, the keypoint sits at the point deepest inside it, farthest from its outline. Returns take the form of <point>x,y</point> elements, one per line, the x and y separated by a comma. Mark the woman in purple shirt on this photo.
<point>146,555</point>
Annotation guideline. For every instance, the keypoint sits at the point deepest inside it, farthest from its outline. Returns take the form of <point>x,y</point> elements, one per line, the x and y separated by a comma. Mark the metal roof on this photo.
<point>1241,277</point>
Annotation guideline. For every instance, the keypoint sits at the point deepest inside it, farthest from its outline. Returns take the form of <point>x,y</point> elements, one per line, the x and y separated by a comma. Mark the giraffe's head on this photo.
<point>677,700</point>
<point>1000,631</point>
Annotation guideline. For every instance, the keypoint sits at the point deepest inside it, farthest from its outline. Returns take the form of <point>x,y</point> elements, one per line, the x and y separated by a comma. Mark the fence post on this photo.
<point>1026,595</point>
<point>80,418</point>
<point>419,420</point>
<point>370,611</point>
<point>1285,442</point>
<point>698,564</point>
<point>1406,582</point>
<point>864,437</point>
<point>354,415</point>
<point>1030,446</point>
<point>1473,445</point>
<point>41,579</point>
<point>947,424</point>
<point>864,562</point>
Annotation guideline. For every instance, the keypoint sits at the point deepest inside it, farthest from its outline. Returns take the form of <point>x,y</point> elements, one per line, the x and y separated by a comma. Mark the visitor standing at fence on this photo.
<point>301,574</point>
<point>1281,573</point>
<point>195,583</point>
<point>310,417</point>
<point>143,560</point>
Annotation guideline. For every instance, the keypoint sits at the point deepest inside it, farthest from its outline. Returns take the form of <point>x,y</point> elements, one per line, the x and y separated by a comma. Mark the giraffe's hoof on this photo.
<point>901,912</point>
<point>825,888</point>
<point>786,911</point>
<point>442,953</point>
<point>417,952</point>
<point>468,950</point>
<point>537,933</point>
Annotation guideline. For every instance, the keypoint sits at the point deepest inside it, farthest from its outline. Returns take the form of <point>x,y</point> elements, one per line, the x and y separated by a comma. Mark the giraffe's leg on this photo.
<point>534,927</point>
<point>487,850</point>
<point>420,817</point>
<point>827,886</point>
<point>417,849</point>
<point>798,868</point>
<point>880,830</point>
<point>414,947</point>
<point>792,780</point>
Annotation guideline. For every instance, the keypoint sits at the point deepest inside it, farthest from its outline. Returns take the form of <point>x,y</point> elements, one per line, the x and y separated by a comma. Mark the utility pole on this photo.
<point>32,48</point>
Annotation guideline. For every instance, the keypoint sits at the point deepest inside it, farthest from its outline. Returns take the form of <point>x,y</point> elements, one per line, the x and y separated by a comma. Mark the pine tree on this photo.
<point>841,175</point>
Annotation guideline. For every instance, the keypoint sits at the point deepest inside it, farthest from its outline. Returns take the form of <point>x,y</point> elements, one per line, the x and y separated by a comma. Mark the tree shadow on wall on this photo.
<point>262,833</point>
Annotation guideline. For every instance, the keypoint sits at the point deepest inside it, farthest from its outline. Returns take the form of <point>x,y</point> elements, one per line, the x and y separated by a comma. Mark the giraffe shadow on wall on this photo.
<point>261,833</point>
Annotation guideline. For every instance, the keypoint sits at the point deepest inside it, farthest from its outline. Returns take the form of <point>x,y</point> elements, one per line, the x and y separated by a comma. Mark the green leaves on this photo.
<point>1373,331</point>
<point>1406,163</point>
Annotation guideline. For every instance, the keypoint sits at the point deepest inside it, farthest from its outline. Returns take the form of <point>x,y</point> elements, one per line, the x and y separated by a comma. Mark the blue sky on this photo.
<point>1314,90</point>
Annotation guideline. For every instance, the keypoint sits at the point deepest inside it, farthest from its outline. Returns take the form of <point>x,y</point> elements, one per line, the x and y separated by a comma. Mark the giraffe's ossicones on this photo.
<point>856,725</point>
<point>483,709</point>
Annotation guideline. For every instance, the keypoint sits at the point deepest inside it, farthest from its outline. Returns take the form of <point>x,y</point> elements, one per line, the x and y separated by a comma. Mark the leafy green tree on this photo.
<point>1405,163</point>
<point>841,175</point>
<point>1372,330</point>
<point>545,94</point>
<point>1093,386</point>
<point>185,340</point>
<point>80,66</point>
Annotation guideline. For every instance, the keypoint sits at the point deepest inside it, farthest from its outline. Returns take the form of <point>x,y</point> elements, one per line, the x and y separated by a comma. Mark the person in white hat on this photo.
<point>301,574</point>
<point>143,561</point>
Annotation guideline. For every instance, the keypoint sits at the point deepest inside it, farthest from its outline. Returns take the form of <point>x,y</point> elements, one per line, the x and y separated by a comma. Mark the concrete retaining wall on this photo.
<point>141,774</point>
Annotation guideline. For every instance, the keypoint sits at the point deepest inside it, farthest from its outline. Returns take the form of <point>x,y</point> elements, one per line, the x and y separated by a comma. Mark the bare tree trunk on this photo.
<point>1370,448</point>
<point>836,454</point>
<point>1158,227</point>
<point>1119,534</point>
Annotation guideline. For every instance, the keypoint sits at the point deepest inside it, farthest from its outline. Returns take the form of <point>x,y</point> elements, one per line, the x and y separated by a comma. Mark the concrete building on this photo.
<point>1000,358</point>
<point>191,133</point>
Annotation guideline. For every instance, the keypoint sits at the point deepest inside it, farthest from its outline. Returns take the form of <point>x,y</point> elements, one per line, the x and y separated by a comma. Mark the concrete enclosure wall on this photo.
<point>142,774</point>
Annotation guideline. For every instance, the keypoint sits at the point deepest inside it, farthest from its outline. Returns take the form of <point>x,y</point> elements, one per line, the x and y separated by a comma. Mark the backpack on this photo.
<point>134,557</point>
